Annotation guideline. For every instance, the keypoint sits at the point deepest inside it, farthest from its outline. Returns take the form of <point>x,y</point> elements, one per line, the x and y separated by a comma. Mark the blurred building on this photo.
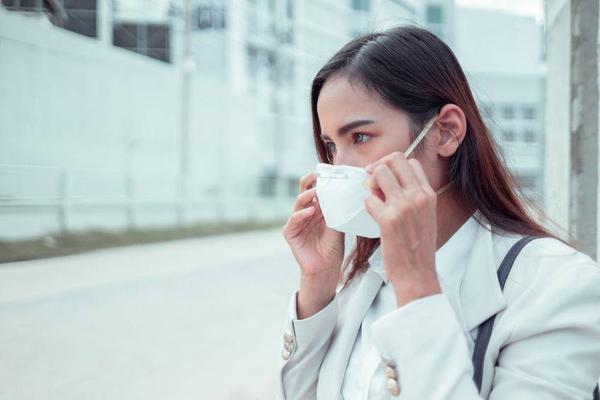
<point>173,112</point>
<point>134,114</point>
<point>439,18</point>
<point>502,55</point>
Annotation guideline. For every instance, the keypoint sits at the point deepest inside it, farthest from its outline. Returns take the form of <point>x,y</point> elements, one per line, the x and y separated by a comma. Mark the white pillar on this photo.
<point>584,124</point>
<point>104,21</point>
<point>236,45</point>
<point>557,142</point>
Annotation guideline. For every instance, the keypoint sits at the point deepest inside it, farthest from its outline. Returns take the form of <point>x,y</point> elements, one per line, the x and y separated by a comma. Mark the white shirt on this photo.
<point>364,377</point>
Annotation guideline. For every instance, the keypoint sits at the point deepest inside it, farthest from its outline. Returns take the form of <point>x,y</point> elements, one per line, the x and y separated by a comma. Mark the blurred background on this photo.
<point>150,152</point>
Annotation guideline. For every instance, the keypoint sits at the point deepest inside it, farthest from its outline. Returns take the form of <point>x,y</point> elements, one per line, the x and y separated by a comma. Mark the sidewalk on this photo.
<point>198,318</point>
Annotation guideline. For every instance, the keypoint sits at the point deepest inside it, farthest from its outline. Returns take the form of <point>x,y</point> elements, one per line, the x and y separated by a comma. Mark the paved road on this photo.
<point>191,319</point>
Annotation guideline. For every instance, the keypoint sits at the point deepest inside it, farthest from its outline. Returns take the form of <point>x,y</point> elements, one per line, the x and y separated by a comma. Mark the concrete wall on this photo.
<point>102,126</point>
<point>571,176</point>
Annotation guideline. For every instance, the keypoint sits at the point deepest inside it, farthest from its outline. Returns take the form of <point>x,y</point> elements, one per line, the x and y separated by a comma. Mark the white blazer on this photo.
<point>545,343</point>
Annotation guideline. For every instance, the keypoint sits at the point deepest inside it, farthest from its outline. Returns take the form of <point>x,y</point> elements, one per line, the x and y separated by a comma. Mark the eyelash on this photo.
<point>354,135</point>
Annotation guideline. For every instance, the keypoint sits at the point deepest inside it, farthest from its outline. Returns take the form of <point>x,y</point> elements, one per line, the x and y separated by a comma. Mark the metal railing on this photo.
<point>68,193</point>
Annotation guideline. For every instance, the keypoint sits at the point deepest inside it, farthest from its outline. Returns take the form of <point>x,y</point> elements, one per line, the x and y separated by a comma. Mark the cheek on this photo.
<point>387,144</point>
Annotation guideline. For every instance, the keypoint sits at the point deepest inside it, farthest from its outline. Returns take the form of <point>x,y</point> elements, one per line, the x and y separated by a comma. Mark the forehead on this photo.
<point>341,101</point>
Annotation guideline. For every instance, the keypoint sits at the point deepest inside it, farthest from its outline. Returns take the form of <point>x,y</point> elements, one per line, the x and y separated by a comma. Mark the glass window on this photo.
<point>509,135</point>
<point>363,5</point>
<point>434,14</point>
<point>529,112</point>
<point>152,40</point>
<point>529,135</point>
<point>508,112</point>
<point>488,111</point>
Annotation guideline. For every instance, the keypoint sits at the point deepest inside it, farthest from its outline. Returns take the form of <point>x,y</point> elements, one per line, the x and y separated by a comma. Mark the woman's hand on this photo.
<point>318,249</point>
<point>404,205</point>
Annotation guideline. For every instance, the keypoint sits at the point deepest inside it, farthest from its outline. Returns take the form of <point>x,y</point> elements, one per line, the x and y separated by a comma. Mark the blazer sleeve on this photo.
<point>552,353</point>
<point>304,345</point>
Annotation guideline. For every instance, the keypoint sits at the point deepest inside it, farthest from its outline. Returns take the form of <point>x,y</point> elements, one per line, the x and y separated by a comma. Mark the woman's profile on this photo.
<point>399,235</point>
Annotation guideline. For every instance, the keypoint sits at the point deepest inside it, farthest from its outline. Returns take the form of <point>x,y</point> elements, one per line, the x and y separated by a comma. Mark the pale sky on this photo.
<point>534,8</point>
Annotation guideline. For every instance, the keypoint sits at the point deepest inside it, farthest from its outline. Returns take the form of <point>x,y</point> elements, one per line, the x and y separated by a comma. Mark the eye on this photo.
<point>360,137</point>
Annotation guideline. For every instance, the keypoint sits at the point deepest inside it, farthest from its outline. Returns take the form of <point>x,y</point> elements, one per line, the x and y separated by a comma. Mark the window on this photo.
<point>528,112</point>
<point>267,182</point>
<point>24,5</point>
<point>78,16</point>
<point>529,135</point>
<point>508,112</point>
<point>81,17</point>
<point>208,16</point>
<point>152,40</point>
<point>362,5</point>
<point>509,135</point>
<point>488,110</point>
<point>527,182</point>
<point>434,14</point>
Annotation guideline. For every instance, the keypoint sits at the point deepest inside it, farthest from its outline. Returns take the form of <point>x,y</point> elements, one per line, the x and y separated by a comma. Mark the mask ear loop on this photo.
<point>417,141</point>
<point>420,136</point>
<point>443,188</point>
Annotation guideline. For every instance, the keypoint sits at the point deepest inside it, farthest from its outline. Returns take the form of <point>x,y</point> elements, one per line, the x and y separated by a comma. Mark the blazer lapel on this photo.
<point>475,296</point>
<point>351,315</point>
<point>480,292</point>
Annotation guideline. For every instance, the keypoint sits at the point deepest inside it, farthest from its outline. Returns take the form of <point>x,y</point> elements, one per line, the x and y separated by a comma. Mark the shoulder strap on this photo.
<point>484,331</point>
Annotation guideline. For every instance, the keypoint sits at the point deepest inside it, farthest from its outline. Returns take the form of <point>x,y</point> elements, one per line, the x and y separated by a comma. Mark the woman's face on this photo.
<point>357,126</point>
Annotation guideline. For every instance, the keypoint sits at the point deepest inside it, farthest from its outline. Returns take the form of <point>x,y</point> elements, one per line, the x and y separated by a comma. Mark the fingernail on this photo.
<point>369,167</point>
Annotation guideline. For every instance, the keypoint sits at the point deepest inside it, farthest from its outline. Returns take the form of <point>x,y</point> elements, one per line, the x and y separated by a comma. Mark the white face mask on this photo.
<point>341,192</point>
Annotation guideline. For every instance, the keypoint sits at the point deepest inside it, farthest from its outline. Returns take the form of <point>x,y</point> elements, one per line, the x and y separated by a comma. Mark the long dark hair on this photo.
<point>416,72</point>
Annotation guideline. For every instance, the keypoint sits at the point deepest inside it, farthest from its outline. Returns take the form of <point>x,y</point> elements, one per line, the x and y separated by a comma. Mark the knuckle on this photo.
<point>379,169</point>
<point>422,199</point>
<point>403,209</point>
<point>396,217</point>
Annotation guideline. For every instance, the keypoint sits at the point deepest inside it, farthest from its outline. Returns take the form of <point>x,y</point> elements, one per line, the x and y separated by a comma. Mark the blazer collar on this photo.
<point>473,289</point>
<point>479,290</point>
<point>358,298</point>
<point>474,294</point>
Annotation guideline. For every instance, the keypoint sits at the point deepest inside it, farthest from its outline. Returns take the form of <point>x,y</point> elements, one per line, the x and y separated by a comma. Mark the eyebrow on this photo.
<point>349,126</point>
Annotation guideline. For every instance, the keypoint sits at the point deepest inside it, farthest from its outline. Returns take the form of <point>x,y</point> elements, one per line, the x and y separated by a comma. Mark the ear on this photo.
<point>452,127</point>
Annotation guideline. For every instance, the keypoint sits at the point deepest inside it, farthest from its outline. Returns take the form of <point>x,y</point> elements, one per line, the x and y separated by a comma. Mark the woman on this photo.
<point>400,316</point>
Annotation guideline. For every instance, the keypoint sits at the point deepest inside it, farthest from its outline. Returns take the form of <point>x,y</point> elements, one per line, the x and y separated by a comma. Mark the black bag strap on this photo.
<point>484,332</point>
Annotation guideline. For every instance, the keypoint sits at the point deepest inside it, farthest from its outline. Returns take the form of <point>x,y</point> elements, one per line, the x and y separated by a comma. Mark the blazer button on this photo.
<point>289,346</point>
<point>392,387</point>
<point>287,337</point>
<point>388,361</point>
<point>285,354</point>
<point>390,372</point>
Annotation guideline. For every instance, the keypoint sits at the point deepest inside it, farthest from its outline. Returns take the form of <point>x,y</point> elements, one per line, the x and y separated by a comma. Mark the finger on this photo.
<point>383,160</point>
<point>304,199</point>
<point>421,176</point>
<point>384,179</point>
<point>307,181</point>
<point>297,222</point>
<point>375,207</point>
<point>402,169</point>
